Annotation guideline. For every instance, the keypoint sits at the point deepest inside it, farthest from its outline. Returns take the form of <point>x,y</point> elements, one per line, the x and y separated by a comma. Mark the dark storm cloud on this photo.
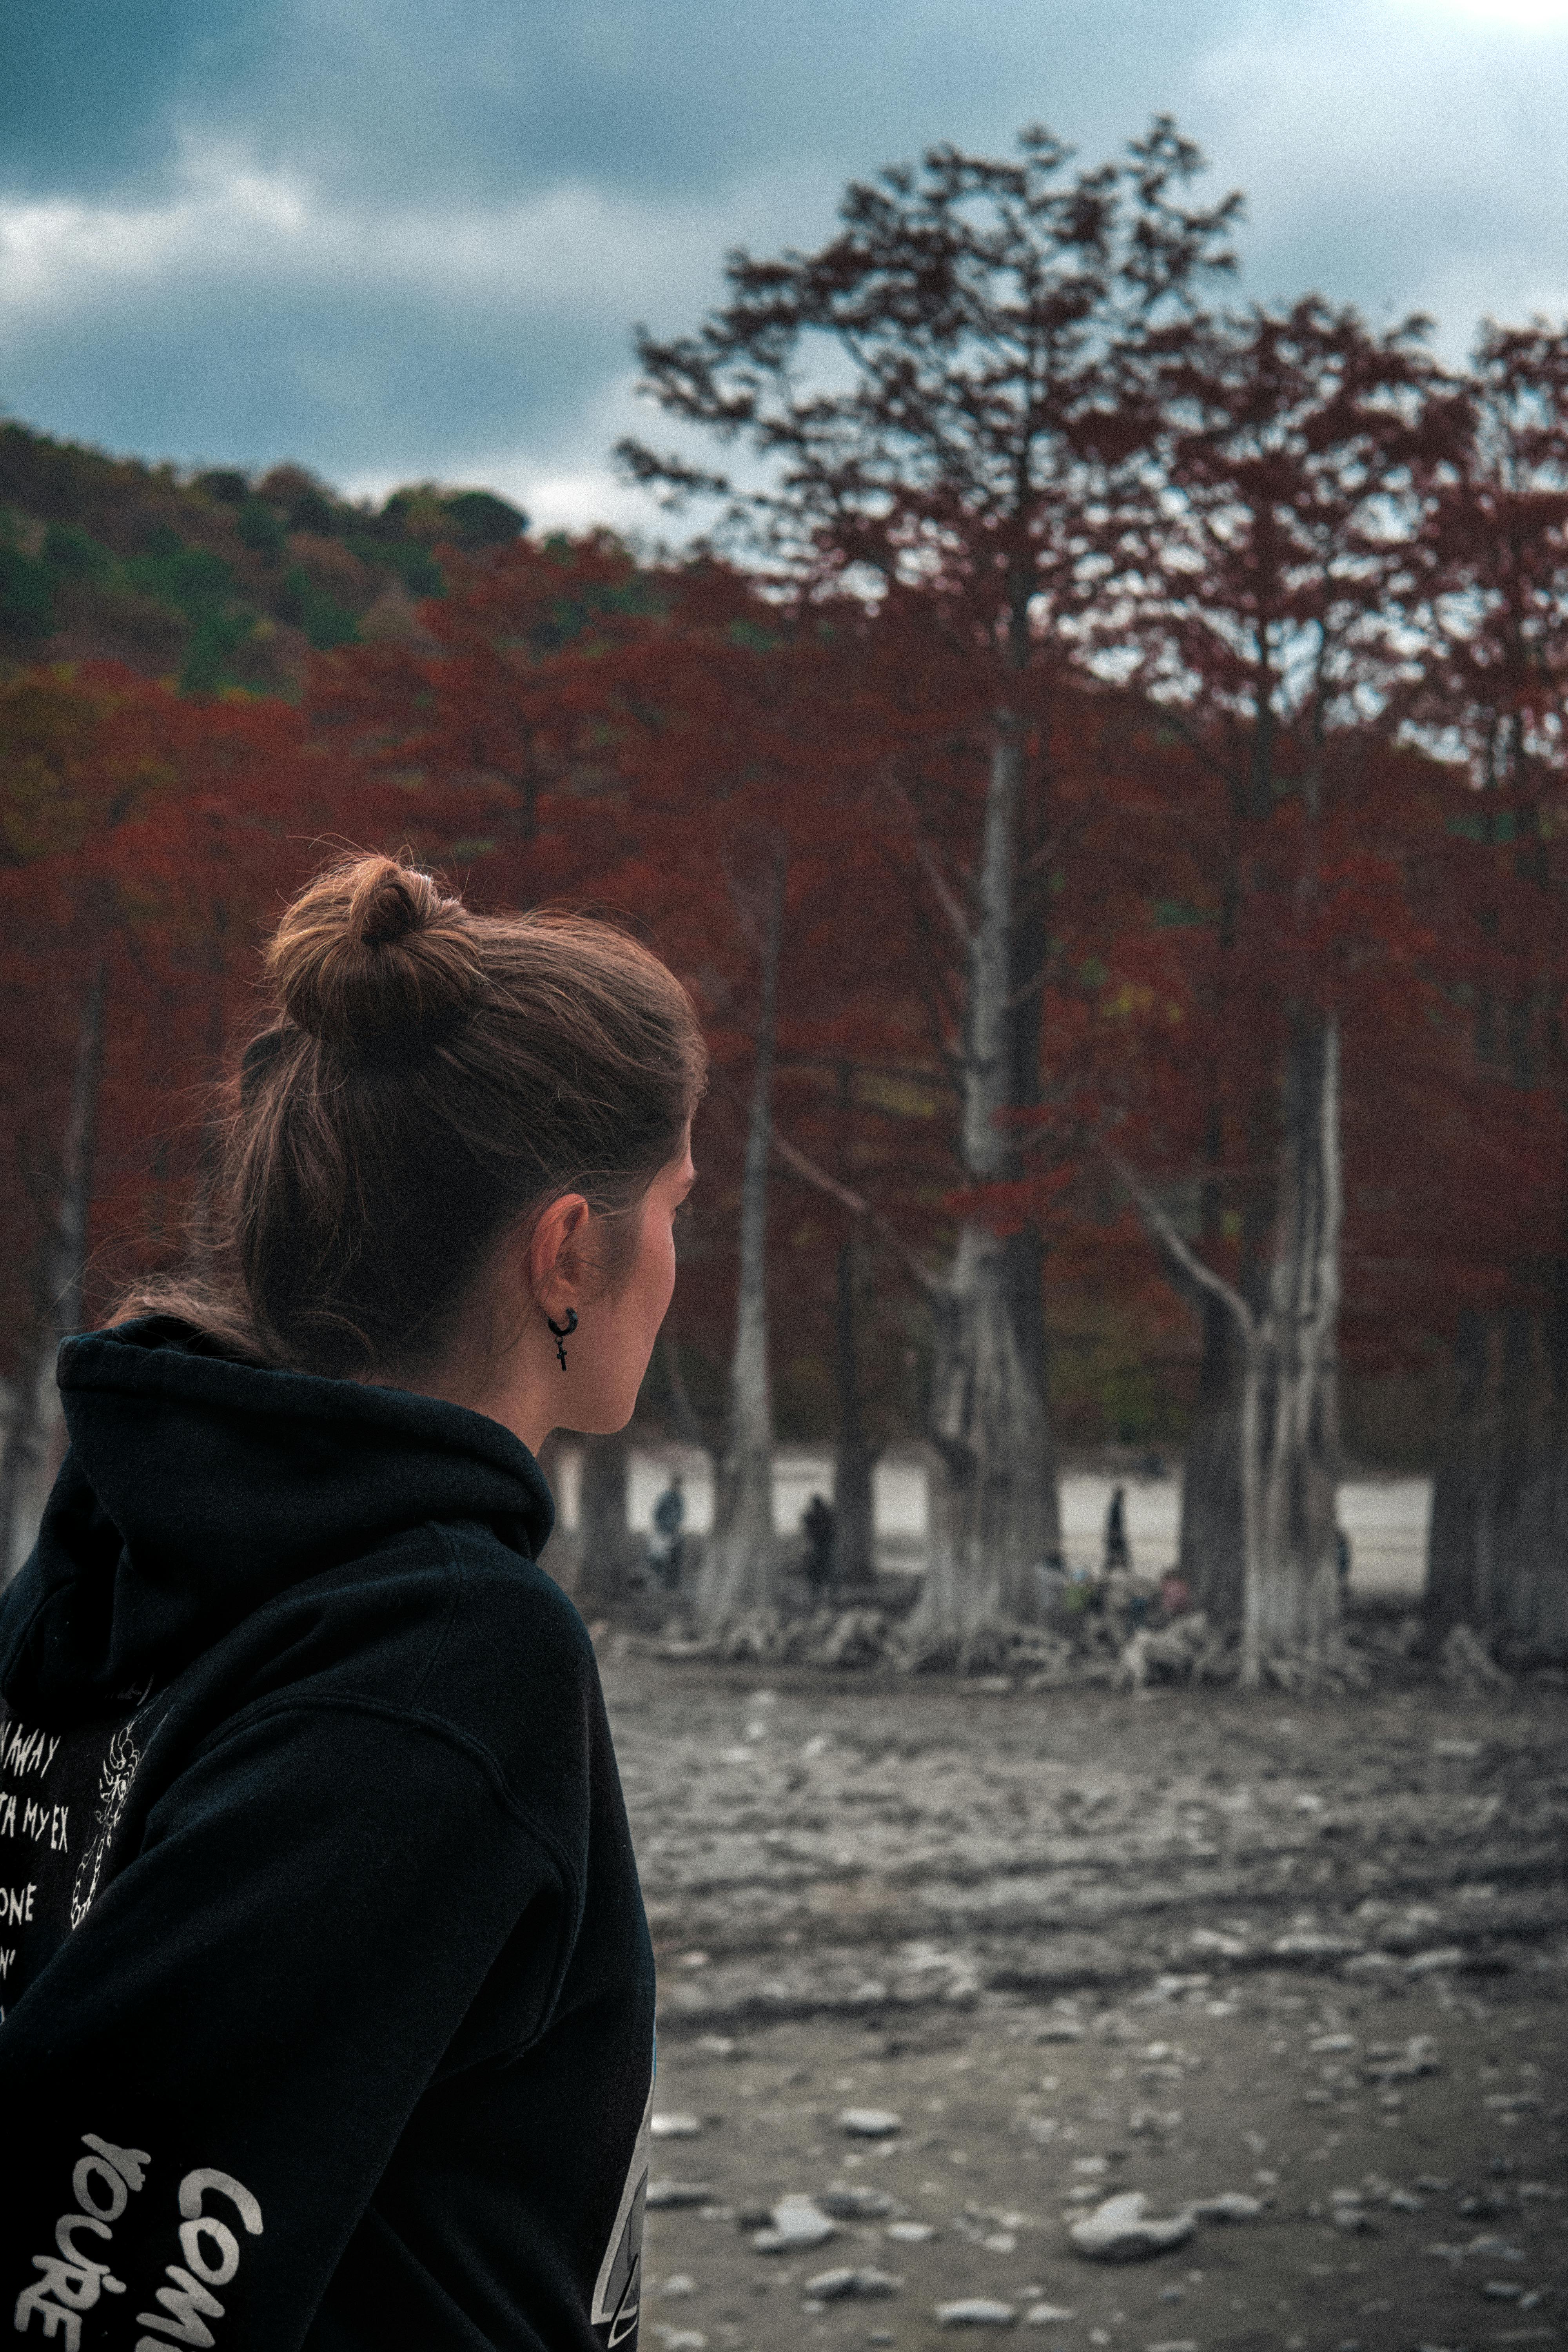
<point>404,236</point>
<point>488,98</point>
<point>266,369</point>
<point>93,94</point>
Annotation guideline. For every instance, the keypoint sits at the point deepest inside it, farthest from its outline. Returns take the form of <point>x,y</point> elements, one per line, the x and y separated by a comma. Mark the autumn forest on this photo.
<point>1096,753</point>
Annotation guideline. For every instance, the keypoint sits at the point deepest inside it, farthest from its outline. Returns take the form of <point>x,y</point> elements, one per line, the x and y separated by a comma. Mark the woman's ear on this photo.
<point>554,1252</point>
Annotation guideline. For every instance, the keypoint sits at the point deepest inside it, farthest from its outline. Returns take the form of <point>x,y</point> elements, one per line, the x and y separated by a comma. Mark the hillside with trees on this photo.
<point>213,579</point>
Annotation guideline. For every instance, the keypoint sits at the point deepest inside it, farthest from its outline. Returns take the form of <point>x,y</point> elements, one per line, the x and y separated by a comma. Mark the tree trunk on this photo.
<point>1520,1584</point>
<point>1459,1536</point>
<point>1210,1550</point>
<point>1528,1595</point>
<point>1026,1246</point>
<point>993,1516</point>
<point>1211,1543</point>
<point>740,1560</point>
<point>1288,1421</point>
<point>606,1544</point>
<point>33,1442</point>
<point>853,1460</point>
<point>1293,1595</point>
<point>24,1464</point>
<point>691,1426</point>
<point>1497,1550</point>
<point>1512,1463</point>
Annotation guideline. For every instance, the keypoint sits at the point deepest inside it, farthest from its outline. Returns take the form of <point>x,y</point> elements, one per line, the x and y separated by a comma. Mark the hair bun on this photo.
<point>372,947</point>
<point>390,902</point>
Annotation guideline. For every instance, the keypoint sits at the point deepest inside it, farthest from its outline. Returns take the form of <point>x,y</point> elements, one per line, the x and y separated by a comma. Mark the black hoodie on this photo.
<point>328,1990</point>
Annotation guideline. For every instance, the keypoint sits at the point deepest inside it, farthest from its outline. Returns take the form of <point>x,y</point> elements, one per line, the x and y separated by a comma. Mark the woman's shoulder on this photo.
<point>514,1664</point>
<point>446,1625</point>
<point>444,1633</point>
<point>513,1610</point>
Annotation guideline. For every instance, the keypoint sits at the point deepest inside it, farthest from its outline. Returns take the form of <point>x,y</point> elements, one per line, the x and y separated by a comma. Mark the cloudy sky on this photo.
<point>398,239</point>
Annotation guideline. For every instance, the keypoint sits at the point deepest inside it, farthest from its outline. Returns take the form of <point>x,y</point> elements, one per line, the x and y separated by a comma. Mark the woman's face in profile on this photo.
<point>618,1329</point>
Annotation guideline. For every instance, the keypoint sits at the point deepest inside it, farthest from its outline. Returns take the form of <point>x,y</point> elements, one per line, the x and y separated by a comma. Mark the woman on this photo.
<point>329,1994</point>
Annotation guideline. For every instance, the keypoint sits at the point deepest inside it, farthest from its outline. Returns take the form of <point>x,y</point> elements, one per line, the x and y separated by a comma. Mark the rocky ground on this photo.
<point>947,1966</point>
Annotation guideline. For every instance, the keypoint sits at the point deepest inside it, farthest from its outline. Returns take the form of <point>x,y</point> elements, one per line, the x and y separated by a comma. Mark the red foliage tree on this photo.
<point>148,839</point>
<point>1496,692</point>
<point>1302,457</point>
<point>977,473</point>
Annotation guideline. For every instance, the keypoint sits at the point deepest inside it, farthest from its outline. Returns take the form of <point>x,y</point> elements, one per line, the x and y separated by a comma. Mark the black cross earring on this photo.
<point>562,1332</point>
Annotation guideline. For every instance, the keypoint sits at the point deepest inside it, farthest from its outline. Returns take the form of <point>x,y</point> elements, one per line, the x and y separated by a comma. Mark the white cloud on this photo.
<point>1405,156</point>
<point>568,483</point>
<point>572,245</point>
<point>577,500</point>
<point>1494,16</point>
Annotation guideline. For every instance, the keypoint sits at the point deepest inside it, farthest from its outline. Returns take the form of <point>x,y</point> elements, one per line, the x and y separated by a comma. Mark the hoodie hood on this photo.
<point>196,1488</point>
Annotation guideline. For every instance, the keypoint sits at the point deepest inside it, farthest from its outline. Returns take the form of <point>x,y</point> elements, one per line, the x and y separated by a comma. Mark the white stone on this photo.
<point>1418,2057</point>
<point>675,2126</point>
<point>975,2311</point>
<point>1427,1964</point>
<point>798,2224</point>
<point>1231,2205</point>
<point>1122,2229</point>
<point>854,2204</point>
<point>838,2285</point>
<point>870,2123</point>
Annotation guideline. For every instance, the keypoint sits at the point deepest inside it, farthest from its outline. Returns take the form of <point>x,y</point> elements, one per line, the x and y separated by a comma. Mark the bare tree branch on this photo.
<point>686,1419</point>
<point>1183,1259</point>
<point>929,1285</point>
<point>930,864</point>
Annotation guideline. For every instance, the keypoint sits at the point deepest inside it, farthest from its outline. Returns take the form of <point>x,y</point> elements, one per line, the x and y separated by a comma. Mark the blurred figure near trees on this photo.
<point>1118,1551</point>
<point>817,1525</point>
<point>669,1522</point>
<point>1175,1594</point>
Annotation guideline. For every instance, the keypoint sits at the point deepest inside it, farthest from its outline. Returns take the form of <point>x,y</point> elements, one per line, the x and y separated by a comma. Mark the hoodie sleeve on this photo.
<point>210,2078</point>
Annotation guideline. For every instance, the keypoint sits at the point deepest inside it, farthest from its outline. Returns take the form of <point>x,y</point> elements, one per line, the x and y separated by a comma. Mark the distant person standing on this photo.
<point>817,1525</point>
<point>669,1521</point>
<point>1117,1551</point>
